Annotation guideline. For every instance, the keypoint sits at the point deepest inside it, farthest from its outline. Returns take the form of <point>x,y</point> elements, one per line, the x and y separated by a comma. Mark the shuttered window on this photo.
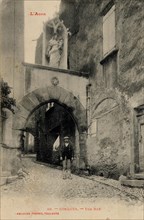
<point>109,31</point>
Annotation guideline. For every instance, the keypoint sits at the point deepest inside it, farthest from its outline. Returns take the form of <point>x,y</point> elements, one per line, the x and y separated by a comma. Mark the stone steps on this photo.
<point>133,183</point>
<point>7,178</point>
<point>139,176</point>
<point>3,180</point>
<point>4,177</point>
<point>136,181</point>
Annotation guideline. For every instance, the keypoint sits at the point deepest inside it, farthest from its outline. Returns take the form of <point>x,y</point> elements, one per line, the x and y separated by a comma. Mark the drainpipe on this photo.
<point>132,168</point>
<point>88,105</point>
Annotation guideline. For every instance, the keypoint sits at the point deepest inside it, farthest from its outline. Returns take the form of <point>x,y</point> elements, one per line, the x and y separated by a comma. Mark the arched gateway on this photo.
<point>41,96</point>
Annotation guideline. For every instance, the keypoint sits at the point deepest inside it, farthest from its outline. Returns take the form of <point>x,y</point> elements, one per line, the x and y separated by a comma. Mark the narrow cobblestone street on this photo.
<point>43,194</point>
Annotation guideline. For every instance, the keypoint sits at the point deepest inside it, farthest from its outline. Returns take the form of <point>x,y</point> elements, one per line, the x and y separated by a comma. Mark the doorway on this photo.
<point>141,142</point>
<point>140,139</point>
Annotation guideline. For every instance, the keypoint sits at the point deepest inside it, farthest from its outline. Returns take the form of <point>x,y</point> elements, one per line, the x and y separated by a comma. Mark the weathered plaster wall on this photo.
<point>40,77</point>
<point>11,70</point>
<point>12,45</point>
<point>113,141</point>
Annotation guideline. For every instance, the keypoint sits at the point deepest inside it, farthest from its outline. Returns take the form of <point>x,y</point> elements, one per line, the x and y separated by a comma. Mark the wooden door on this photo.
<point>141,141</point>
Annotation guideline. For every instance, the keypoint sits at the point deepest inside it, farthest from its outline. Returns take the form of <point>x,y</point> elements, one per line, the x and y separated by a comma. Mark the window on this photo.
<point>93,128</point>
<point>109,60</point>
<point>109,31</point>
<point>110,71</point>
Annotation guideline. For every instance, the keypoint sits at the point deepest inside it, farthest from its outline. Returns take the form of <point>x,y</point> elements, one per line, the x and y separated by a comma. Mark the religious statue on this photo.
<point>54,51</point>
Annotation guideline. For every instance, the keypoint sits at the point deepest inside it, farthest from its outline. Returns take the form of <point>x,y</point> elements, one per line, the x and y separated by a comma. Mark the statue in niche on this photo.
<point>54,50</point>
<point>55,47</point>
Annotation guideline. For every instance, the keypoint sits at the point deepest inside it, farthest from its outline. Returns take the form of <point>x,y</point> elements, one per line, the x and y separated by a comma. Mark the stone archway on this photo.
<point>41,96</point>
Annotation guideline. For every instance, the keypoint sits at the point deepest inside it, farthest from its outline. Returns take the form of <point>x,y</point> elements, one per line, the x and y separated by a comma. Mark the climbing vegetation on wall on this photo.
<point>5,100</point>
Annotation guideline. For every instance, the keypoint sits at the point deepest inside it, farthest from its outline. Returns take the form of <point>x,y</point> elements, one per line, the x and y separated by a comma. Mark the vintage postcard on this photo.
<point>72,109</point>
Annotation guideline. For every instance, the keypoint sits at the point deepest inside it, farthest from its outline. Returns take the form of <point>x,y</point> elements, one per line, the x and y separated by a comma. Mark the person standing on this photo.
<point>67,156</point>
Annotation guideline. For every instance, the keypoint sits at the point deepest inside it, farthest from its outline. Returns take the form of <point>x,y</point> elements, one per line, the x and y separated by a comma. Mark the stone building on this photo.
<point>107,42</point>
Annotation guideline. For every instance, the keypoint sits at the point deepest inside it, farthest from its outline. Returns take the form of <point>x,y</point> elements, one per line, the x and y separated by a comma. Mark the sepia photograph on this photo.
<point>72,109</point>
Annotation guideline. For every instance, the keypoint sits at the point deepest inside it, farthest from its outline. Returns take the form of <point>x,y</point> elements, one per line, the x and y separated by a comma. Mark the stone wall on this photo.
<point>110,148</point>
<point>85,43</point>
<point>37,76</point>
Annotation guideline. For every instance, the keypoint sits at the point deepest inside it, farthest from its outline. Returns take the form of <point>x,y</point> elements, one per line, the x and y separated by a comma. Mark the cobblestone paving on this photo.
<point>43,189</point>
<point>135,193</point>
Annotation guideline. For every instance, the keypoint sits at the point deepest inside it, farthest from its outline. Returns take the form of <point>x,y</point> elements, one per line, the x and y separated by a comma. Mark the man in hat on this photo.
<point>67,156</point>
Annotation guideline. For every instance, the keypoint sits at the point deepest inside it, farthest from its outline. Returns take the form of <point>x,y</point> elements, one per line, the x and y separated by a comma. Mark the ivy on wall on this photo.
<point>5,100</point>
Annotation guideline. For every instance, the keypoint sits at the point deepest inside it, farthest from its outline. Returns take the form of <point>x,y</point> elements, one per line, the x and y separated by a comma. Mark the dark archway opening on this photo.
<point>50,123</point>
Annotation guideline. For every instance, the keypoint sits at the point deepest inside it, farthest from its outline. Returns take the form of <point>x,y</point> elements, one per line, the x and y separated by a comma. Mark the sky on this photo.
<point>34,24</point>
